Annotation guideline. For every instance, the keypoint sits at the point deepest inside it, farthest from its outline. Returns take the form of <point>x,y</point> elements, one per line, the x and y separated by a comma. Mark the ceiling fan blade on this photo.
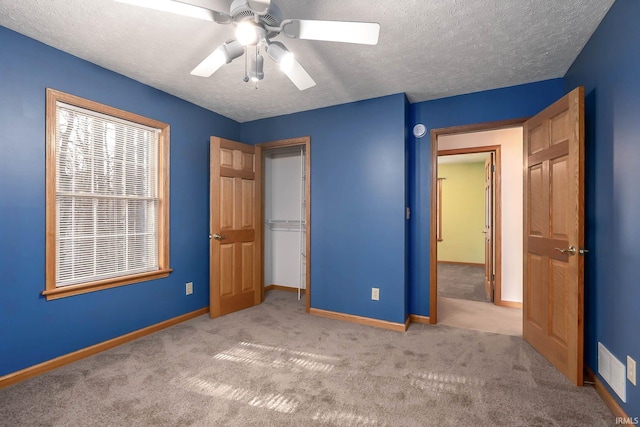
<point>217,5</point>
<point>208,10</point>
<point>333,31</point>
<point>298,75</point>
<point>224,54</point>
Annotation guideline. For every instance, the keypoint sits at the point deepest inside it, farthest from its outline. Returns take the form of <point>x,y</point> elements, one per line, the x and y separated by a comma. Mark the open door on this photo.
<point>489,169</point>
<point>554,233</point>
<point>235,245</point>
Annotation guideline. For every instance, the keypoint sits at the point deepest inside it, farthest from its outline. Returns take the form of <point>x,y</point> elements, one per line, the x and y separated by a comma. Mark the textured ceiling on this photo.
<point>428,49</point>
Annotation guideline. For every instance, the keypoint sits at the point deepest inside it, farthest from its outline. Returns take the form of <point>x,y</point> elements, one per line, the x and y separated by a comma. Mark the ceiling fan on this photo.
<point>257,22</point>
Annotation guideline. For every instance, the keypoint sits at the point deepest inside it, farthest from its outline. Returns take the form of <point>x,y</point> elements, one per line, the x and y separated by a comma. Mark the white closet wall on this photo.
<point>284,218</point>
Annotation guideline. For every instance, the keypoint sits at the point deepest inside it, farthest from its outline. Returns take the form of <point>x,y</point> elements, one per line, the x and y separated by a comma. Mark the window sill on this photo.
<point>83,288</point>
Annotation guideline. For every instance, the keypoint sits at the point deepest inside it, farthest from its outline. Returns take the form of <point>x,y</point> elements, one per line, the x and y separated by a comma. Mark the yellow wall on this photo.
<point>462,212</point>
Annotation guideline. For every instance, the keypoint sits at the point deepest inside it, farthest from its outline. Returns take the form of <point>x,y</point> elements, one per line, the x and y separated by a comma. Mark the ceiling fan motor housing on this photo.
<point>240,11</point>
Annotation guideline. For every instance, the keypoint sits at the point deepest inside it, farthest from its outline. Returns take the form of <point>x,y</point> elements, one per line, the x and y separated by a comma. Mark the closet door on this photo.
<point>235,246</point>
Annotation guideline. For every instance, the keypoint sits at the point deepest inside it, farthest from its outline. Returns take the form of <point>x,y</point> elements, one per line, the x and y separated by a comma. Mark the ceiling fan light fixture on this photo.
<point>281,56</point>
<point>247,33</point>
<point>224,54</point>
<point>232,50</point>
<point>287,62</point>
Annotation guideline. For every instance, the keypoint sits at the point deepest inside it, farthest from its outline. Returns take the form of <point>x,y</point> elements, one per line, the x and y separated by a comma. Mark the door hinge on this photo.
<point>408,213</point>
<point>493,168</point>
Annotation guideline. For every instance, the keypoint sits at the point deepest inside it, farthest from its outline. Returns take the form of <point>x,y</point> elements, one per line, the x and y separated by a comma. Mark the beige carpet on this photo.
<point>479,316</point>
<point>461,281</point>
<point>274,365</point>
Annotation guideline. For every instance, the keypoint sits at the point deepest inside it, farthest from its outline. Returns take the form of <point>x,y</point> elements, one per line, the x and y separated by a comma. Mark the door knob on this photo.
<point>220,236</point>
<point>570,251</point>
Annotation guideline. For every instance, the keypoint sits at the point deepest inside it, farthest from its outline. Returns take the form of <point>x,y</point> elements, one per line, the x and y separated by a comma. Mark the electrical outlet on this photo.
<point>375,294</point>
<point>189,288</point>
<point>631,370</point>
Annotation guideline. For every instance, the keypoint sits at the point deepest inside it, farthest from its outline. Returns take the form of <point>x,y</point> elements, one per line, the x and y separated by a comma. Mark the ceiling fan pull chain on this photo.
<point>246,72</point>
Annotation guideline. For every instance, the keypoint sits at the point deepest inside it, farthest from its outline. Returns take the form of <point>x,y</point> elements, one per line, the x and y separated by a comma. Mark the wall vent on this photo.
<point>613,371</point>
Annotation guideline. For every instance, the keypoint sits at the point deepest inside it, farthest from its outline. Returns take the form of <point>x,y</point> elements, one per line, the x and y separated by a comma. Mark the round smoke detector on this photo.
<point>419,130</point>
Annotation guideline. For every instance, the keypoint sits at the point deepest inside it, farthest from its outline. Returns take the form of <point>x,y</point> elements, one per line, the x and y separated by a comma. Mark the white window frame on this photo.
<point>54,290</point>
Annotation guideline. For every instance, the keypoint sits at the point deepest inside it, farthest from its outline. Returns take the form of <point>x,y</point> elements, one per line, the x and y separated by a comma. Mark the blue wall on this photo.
<point>608,69</point>
<point>499,104</point>
<point>33,330</point>
<point>357,202</point>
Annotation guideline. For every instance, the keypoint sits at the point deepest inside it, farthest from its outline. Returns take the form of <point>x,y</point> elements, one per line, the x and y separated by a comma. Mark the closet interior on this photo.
<point>284,214</point>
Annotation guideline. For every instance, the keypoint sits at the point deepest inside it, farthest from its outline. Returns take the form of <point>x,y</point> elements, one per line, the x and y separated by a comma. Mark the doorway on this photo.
<point>236,223</point>
<point>499,274</point>
<point>468,186</point>
<point>286,217</point>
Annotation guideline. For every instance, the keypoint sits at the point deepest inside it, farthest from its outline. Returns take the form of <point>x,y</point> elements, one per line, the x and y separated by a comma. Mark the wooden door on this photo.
<point>235,246</point>
<point>489,173</point>
<point>554,233</point>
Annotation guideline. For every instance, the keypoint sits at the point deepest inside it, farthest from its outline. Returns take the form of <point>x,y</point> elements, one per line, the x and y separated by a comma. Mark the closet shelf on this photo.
<point>286,224</point>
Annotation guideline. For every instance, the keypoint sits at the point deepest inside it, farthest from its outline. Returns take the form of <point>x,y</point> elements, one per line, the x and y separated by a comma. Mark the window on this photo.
<point>107,198</point>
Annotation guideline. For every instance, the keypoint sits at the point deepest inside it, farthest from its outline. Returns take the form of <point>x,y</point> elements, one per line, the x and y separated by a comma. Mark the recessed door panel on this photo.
<point>248,253</point>
<point>227,269</point>
<point>558,300</point>
<point>559,128</point>
<point>247,162</point>
<point>537,211</point>
<point>560,214</point>
<point>536,295</point>
<point>537,138</point>
<point>226,158</point>
<point>248,211</point>
<point>226,203</point>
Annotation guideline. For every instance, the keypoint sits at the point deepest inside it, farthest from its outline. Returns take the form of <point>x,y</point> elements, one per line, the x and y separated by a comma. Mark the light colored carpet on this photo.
<point>479,316</point>
<point>274,365</point>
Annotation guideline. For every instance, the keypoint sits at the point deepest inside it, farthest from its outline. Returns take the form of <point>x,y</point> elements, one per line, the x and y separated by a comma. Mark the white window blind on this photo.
<point>106,196</point>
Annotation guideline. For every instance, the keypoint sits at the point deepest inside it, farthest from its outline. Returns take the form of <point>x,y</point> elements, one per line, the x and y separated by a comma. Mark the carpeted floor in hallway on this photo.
<point>461,282</point>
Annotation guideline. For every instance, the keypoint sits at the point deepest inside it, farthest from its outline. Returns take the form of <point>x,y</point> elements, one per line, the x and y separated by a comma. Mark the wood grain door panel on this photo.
<point>554,220</point>
<point>235,200</point>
